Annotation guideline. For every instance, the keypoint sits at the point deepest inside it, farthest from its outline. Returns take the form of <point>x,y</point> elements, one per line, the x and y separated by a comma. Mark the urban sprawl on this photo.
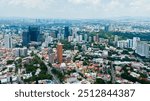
<point>48,51</point>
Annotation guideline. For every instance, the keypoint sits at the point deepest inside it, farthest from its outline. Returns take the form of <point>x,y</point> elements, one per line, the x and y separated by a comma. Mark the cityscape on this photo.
<point>42,51</point>
<point>74,49</point>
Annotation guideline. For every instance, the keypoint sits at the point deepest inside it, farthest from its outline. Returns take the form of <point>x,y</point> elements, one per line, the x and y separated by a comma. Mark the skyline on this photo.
<point>74,9</point>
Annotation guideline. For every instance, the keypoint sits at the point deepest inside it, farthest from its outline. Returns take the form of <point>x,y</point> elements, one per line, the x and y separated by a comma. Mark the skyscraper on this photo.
<point>66,33</point>
<point>34,33</point>
<point>25,38</point>
<point>8,41</point>
<point>59,52</point>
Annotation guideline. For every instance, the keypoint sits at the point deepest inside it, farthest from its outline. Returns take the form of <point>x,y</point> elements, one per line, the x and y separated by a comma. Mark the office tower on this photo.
<point>135,40</point>
<point>8,41</point>
<point>66,32</point>
<point>143,49</point>
<point>25,38</point>
<point>51,55</point>
<point>59,52</point>
<point>34,33</point>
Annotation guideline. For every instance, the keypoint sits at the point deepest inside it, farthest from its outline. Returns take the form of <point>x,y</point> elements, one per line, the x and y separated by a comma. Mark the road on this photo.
<point>56,80</point>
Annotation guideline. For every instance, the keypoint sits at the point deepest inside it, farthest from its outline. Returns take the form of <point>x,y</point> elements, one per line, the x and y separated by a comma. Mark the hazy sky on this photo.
<point>74,8</point>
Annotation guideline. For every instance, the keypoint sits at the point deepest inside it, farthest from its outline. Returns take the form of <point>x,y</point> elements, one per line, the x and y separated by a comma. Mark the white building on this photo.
<point>51,55</point>
<point>143,49</point>
<point>135,40</point>
<point>85,37</point>
<point>122,44</point>
<point>80,38</point>
<point>48,40</point>
<point>70,38</point>
<point>90,39</point>
<point>116,38</point>
<point>16,52</point>
<point>23,51</point>
<point>20,52</point>
<point>8,41</point>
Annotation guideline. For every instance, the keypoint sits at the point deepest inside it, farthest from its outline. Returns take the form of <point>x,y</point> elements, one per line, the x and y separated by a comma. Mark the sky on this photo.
<point>74,9</point>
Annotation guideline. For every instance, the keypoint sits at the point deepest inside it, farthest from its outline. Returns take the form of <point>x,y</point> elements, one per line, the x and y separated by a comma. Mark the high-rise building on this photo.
<point>66,32</point>
<point>56,33</point>
<point>23,51</point>
<point>70,38</point>
<point>97,38</point>
<point>18,52</point>
<point>8,41</point>
<point>48,40</point>
<point>34,33</point>
<point>135,40</point>
<point>51,55</point>
<point>130,43</point>
<point>80,38</point>
<point>106,28</point>
<point>90,39</point>
<point>143,49</point>
<point>60,53</point>
<point>116,38</point>
<point>74,32</point>
<point>94,38</point>
<point>122,44</point>
<point>25,38</point>
<point>85,37</point>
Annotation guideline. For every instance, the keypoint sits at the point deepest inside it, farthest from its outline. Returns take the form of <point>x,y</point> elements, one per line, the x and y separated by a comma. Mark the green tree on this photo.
<point>10,62</point>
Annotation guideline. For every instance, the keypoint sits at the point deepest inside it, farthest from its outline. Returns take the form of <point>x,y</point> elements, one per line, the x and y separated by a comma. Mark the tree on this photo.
<point>10,62</point>
<point>58,73</point>
<point>42,58</point>
<point>125,52</point>
<point>49,64</point>
<point>32,53</point>
<point>85,63</point>
<point>99,81</point>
